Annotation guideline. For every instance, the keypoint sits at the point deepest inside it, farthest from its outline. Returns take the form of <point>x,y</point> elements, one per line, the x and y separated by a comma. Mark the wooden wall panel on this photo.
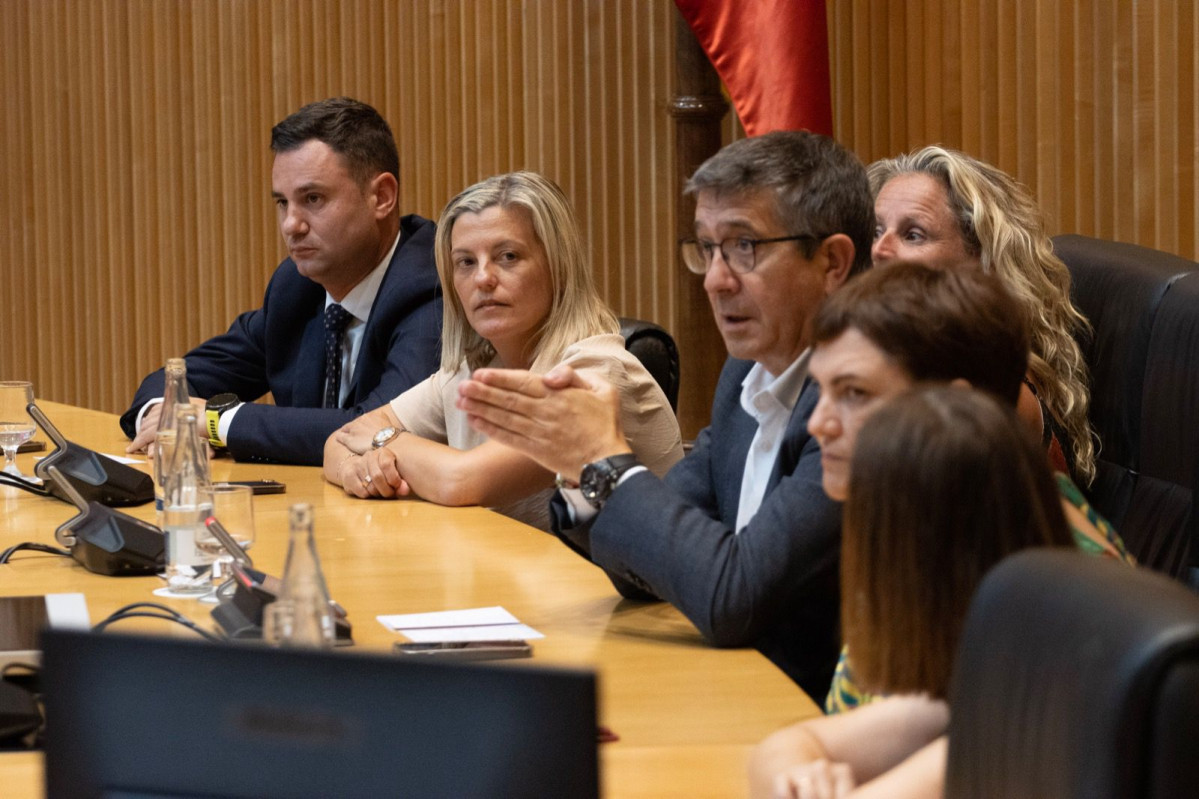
<point>137,218</point>
<point>137,213</point>
<point>1092,104</point>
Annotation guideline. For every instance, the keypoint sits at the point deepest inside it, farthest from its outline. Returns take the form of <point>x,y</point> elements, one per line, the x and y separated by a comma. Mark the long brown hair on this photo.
<point>945,483</point>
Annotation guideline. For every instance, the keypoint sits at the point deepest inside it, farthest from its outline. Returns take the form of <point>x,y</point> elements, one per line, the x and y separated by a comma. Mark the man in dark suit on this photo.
<point>349,321</point>
<point>739,534</point>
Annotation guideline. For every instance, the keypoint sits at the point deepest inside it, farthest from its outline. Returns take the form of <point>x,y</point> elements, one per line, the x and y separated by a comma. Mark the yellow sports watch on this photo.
<point>212,415</point>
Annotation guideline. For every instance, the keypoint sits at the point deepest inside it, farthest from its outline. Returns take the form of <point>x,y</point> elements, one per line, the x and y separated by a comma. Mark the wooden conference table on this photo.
<point>686,714</point>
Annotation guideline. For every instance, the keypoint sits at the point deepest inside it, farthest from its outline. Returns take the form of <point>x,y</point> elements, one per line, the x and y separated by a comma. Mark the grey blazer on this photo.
<point>774,586</point>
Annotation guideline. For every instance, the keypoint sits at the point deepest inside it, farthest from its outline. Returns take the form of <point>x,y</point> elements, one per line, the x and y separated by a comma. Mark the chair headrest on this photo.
<point>1058,678</point>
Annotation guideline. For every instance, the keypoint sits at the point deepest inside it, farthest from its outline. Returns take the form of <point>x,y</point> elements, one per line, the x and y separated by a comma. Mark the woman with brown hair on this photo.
<point>911,323</point>
<point>916,543</point>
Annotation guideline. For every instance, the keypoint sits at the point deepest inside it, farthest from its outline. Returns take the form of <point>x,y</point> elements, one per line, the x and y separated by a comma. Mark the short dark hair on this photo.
<point>821,188</point>
<point>946,482</point>
<point>353,130</point>
<point>937,324</point>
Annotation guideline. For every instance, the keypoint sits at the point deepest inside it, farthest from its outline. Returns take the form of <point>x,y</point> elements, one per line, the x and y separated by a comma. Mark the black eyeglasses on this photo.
<point>739,252</point>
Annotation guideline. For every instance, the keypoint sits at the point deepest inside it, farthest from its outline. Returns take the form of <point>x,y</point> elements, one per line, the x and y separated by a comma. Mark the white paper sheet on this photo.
<point>473,624</point>
<point>118,458</point>
<point>123,458</point>
<point>449,618</point>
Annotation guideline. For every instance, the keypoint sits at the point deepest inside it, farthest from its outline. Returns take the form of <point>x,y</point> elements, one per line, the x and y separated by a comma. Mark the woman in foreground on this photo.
<point>518,295</point>
<point>916,542</point>
<point>908,324</point>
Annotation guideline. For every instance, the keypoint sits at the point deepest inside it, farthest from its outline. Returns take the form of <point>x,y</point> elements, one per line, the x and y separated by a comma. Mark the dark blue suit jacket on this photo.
<point>774,586</point>
<point>280,348</point>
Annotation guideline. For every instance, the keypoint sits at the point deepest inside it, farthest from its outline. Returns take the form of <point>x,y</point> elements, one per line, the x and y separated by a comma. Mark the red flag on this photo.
<point>772,56</point>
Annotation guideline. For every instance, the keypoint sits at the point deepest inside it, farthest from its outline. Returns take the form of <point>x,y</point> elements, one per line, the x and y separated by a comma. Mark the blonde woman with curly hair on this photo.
<point>941,206</point>
<point>518,294</point>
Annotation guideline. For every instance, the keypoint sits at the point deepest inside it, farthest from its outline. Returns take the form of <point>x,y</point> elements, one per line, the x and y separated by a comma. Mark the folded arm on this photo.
<point>144,440</point>
<point>893,748</point>
<point>261,353</point>
<point>350,443</point>
<point>233,361</point>
<point>489,474</point>
<point>297,434</point>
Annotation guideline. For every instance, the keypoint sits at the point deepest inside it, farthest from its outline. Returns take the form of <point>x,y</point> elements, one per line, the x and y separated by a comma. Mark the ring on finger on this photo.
<point>367,479</point>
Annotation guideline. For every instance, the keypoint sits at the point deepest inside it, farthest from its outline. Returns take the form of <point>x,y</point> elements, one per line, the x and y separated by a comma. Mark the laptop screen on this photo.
<point>137,716</point>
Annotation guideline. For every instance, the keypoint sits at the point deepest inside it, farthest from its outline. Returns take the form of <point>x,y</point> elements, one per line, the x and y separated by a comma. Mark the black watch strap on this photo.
<point>598,480</point>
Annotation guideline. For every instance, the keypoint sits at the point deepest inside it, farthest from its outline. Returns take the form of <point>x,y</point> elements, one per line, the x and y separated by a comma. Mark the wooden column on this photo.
<point>697,109</point>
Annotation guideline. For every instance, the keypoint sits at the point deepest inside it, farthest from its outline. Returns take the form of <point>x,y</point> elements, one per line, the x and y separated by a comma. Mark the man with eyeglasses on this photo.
<point>739,534</point>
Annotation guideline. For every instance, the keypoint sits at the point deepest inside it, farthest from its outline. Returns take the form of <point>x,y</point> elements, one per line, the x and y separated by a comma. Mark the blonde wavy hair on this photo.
<point>576,313</point>
<point>1002,225</point>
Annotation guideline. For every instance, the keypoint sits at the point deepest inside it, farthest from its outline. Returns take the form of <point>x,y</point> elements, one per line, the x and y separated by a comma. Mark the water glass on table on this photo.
<point>16,425</point>
<point>233,507</point>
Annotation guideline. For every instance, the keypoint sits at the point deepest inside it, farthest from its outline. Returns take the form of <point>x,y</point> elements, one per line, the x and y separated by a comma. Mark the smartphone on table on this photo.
<point>261,486</point>
<point>466,650</point>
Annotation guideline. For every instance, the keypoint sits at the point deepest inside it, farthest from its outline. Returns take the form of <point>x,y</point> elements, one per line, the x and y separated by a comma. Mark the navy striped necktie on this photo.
<point>336,320</point>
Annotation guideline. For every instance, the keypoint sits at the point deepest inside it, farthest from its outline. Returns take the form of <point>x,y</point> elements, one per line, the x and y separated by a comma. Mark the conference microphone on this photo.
<point>96,477</point>
<point>107,541</point>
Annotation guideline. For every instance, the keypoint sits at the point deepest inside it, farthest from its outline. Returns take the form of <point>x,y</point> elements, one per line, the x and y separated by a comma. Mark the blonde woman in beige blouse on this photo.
<point>518,294</point>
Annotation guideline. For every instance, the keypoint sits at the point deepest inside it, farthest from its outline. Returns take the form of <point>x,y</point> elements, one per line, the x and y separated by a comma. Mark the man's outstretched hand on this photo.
<point>563,419</point>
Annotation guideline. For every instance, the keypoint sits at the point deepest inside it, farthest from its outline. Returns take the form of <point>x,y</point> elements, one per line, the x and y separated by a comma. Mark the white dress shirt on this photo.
<point>358,303</point>
<point>769,400</point>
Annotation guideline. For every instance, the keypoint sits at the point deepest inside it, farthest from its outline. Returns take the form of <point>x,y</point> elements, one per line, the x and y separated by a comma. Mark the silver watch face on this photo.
<point>383,436</point>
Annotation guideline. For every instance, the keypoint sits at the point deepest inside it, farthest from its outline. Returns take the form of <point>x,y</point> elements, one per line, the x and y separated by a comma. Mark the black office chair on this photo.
<point>1076,677</point>
<point>657,352</point>
<point>1144,365</point>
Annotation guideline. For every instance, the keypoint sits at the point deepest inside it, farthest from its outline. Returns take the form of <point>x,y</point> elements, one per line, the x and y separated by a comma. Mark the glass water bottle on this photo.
<point>164,440</point>
<point>301,616</point>
<point>187,503</point>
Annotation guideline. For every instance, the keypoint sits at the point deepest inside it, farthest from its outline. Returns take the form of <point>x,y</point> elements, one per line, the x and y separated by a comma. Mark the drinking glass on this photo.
<point>16,426</point>
<point>233,507</point>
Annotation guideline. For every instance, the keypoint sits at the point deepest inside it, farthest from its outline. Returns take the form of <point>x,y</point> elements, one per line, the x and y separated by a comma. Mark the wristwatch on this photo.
<point>598,480</point>
<point>213,409</point>
<point>381,438</point>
